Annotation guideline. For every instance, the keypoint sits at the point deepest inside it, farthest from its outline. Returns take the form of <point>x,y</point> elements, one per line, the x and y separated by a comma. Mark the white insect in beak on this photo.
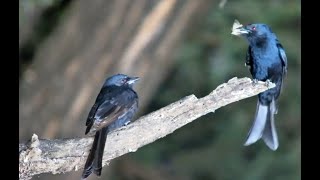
<point>237,29</point>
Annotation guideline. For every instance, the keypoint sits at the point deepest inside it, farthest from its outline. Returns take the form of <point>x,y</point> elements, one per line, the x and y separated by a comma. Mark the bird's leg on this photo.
<point>254,82</point>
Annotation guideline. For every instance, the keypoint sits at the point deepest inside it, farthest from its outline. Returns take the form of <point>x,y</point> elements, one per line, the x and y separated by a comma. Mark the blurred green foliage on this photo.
<point>212,146</point>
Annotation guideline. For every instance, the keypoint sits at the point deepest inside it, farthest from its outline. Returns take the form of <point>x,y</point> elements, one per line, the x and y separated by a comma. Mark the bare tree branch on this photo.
<point>63,155</point>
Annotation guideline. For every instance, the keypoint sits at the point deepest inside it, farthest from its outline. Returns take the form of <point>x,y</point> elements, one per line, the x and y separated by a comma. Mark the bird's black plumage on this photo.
<point>115,106</point>
<point>267,61</point>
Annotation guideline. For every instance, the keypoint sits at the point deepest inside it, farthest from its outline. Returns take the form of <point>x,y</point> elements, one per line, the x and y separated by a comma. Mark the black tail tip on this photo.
<point>84,177</point>
<point>86,173</point>
<point>97,171</point>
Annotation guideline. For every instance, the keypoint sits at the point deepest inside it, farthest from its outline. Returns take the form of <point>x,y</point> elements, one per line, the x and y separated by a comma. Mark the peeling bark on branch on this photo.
<point>63,155</point>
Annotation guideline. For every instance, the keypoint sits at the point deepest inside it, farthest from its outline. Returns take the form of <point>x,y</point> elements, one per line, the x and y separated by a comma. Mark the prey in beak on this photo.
<point>239,29</point>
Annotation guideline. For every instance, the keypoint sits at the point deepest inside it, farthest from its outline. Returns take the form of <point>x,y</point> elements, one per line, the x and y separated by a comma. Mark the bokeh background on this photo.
<point>179,47</point>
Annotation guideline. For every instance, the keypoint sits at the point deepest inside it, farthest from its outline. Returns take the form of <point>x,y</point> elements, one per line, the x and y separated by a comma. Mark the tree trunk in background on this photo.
<point>93,41</point>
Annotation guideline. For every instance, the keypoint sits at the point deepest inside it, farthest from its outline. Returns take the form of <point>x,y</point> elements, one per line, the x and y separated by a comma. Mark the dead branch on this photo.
<point>62,155</point>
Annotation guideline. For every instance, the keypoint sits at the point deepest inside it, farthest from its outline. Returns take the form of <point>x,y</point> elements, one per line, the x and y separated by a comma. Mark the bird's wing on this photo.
<point>249,58</point>
<point>111,109</point>
<point>94,108</point>
<point>283,57</point>
<point>108,108</point>
<point>91,114</point>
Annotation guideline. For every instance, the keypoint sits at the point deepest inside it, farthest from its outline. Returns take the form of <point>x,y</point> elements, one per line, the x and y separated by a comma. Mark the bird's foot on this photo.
<point>254,82</point>
<point>128,122</point>
<point>268,82</point>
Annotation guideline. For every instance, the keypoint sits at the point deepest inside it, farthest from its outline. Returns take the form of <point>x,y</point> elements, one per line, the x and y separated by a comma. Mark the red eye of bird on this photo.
<point>253,28</point>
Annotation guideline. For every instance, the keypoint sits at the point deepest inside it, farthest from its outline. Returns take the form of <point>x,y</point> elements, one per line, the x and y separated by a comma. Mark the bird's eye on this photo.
<point>253,28</point>
<point>125,80</point>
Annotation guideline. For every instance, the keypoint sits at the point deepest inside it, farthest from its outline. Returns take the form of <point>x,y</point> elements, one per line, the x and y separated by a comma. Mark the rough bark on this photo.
<point>63,155</point>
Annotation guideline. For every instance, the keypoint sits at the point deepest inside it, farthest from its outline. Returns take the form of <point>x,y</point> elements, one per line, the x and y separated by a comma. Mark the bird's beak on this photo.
<point>132,80</point>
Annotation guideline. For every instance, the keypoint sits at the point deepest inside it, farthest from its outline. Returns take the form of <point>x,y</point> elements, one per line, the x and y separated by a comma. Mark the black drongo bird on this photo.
<point>115,106</point>
<point>267,62</point>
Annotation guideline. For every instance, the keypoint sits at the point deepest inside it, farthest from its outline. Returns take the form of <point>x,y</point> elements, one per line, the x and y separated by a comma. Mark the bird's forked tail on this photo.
<point>264,126</point>
<point>94,160</point>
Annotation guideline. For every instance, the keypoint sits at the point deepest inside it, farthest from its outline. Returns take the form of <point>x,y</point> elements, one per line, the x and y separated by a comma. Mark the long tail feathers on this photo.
<point>94,160</point>
<point>264,126</point>
<point>97,163</point>
<point>269,135</point>
<point>257,128</point>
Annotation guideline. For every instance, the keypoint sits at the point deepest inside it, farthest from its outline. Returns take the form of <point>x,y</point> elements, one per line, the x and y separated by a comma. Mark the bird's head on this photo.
<point>254,33</point>
<point>121,80</point>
